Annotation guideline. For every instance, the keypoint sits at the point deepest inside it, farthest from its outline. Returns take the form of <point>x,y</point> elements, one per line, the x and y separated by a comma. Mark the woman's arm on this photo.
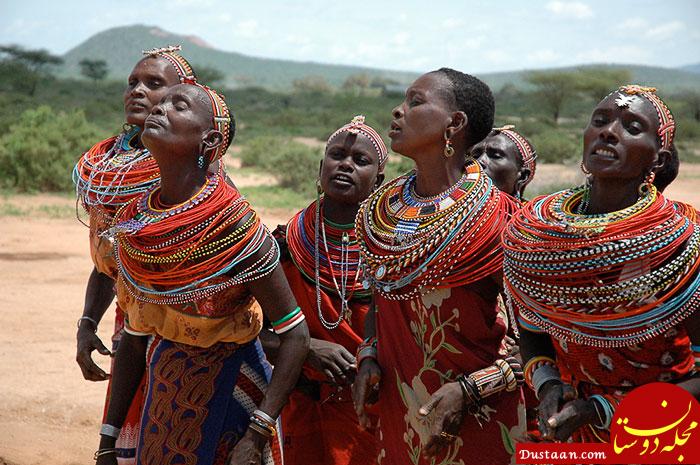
<point>98,297</point>
<point>369,374</point>
<point>129,367</point>
<point>692,326</point>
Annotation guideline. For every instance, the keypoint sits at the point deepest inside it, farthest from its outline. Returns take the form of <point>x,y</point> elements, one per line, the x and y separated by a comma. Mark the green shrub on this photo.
<point>258,149</point>
<point>555,147</point>
<point>39,151</point>
<point>295,165</point>
<point>688,129</point>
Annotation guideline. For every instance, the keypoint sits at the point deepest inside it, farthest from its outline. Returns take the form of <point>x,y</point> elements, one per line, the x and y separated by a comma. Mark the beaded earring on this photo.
<point>200,162</point>
<point>584,169</point>
<point>646,186</point>
<point>449,150</point>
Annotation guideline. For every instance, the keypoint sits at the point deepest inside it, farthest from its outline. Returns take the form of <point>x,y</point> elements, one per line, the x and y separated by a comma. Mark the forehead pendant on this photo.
<point>624,100</point>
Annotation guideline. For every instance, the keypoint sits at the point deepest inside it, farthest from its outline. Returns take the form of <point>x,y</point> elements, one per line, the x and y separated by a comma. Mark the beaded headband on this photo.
<point>527,152</point>
<point>667,124</point>
<point>182,66</point>
<point>358,126</point>
<point>221,120</point>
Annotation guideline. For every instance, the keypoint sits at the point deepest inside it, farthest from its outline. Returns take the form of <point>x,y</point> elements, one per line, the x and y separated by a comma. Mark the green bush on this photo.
<point>258,149</point>
<point>688,129</point>
<point>555,147</point>
<point>39,151</point>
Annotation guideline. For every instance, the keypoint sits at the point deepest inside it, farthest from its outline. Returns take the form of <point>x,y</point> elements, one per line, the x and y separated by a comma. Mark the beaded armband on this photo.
<point>368,349</point>
<point>503,375</point>
<point>539,370</point>
<point>262,423</point>
<point>289,321</point>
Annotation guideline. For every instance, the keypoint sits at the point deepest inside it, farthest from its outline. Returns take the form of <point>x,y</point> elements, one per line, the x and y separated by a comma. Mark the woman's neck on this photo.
<point>179,184</point>
<point>338,212</point>
<point>436,174</point>
<point>609,195</point>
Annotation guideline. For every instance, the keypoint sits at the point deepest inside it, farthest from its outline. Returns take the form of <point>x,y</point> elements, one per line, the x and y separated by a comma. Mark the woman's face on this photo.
<point>500,159</point>
<point>180,122</point>
<point>148,83</point>
<point>621,140</point>
<point>420,121</point>
<point>349,172</point>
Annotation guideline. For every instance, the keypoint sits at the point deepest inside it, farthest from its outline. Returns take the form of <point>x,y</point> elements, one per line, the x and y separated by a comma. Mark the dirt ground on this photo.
<point>48,413</point>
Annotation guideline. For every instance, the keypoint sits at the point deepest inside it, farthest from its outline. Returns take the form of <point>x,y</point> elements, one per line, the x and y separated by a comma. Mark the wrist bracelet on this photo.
<point>87,318</point>
<point>367,349</point>
<point>532,365</point>
<point>263,423</point>
<point>608,410</point>
<point>101,452</point>
<point>109,430</point>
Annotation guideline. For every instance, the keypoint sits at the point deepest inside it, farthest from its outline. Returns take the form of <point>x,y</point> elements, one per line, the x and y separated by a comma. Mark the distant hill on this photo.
<point>691,68</point>
<point>121,48</point>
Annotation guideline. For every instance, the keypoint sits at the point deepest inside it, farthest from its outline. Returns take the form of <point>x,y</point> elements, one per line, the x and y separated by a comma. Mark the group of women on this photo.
<point>393,311</point>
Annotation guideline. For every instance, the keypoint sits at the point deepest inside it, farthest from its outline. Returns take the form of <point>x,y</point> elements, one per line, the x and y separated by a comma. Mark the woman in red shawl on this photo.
<point>430,242</point>
<point>323,269</point>
<point>605,277</point>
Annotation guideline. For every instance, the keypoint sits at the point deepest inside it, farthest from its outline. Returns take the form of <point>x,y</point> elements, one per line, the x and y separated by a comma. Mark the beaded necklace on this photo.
<point>188,252</point>
<point>334,264</point>
<point>605,280</point>
<point>412,245</point>
<point>113,172</point>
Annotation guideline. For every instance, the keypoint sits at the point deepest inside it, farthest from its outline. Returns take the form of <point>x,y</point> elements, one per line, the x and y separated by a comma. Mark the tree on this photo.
<point>599,81</point>
<point>312,84</point>
<point>208,75</point>
<point>38,62</point>
<point>553,89</point>
<point>692,100</point>
<point>356,83</point>
<point>93,69</point>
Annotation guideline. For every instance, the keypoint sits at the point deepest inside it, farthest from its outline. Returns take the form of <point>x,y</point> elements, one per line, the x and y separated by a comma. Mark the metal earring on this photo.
<point>200,161</point>
<point>449,150</point>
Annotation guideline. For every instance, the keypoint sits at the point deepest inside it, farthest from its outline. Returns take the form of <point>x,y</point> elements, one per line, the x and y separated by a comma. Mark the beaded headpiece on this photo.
<point>667,124</point>
<point>182,66</point>
<point>527,152</point>
<point>358,126</point>
<point>221,120</point>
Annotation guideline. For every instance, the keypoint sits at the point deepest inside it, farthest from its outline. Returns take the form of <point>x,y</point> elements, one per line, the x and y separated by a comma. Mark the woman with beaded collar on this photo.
<point>109,175</point>
<point>323,269</point>
<point>605,277</point>
<point>430,242</point>
<point>197,269</point>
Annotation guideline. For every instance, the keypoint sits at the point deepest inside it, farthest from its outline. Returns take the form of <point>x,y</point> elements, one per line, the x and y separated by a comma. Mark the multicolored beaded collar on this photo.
<point>606,280</point>
<point>411,245</point>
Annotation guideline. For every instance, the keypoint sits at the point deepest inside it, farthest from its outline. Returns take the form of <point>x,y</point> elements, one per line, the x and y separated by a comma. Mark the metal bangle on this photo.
<point>101,452</point>
<point>543,374</point>
<point>109,430</point>
<point>87,318</point>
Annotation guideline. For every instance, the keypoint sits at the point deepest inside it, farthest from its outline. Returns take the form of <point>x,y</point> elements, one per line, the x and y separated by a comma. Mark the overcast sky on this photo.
<point>417,35</point>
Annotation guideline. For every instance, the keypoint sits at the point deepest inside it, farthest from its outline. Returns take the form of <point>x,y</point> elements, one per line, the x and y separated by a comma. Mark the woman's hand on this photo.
<point>87,342</point>
<point>572,416</point>
<point>333,360</point>
<point>248,451</point>
<point>365,389</point>
<point>447,407</point>
<point>560,413</point>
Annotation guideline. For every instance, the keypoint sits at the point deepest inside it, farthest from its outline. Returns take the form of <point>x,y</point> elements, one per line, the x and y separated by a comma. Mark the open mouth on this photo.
<point>605,153</point>
<point>343,179</point>
<point>394,130</point>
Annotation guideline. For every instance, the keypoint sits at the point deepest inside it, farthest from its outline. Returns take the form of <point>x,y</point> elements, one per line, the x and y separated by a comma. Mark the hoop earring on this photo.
<point>200,162</point>
<point>648,183</point>
<point>584,169</point>
<point>449,151</point>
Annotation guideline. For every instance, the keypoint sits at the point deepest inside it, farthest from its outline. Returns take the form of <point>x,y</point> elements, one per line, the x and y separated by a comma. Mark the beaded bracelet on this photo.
<point>100,452</point>
<point>469,390</point>
<point>367,349</point>
<point>496,378</point>
<point>607,407</point>
<point>87,318</point>
<point>109,430</point>
<point>288,322</point>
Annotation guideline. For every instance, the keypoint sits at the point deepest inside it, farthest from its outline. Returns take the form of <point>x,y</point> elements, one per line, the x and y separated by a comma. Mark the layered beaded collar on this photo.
<point>411,245</point>
<point>607,280</point>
